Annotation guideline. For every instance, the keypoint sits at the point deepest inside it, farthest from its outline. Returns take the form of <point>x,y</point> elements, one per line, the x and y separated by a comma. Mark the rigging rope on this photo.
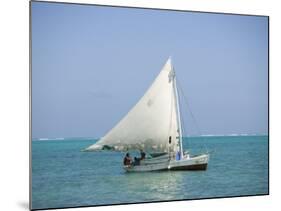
<point>190,111</point>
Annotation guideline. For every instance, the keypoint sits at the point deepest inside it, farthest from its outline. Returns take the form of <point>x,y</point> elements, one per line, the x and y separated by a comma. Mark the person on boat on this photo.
<point>142,155</point>
<point>136,161</point>
<point>127,160</point>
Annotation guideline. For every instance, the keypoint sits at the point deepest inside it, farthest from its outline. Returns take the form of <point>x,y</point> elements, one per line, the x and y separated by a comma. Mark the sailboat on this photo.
<point>154,126</point>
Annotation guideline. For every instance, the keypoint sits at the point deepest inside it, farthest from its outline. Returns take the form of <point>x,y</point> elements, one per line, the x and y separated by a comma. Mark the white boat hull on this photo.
<point>199,162</point>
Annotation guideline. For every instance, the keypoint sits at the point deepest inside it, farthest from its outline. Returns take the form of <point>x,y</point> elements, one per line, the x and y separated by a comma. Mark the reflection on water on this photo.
<point>159,185</point>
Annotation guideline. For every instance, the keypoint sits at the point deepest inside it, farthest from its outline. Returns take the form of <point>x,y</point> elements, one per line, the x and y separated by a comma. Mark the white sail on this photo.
<point>152,124</point>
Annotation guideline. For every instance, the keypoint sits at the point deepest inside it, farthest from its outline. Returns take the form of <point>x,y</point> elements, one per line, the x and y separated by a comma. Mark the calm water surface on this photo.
<point>62,176</point>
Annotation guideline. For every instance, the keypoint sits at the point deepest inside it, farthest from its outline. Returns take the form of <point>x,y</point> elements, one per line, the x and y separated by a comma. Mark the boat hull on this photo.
<point>199,162</point>
<point>191,167</point>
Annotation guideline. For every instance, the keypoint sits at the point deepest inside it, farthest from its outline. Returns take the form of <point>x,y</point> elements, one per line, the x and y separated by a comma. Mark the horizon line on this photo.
<point>203,135</point>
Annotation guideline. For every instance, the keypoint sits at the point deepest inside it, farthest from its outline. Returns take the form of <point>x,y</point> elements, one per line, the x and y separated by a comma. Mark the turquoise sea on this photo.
<point>63,176</point>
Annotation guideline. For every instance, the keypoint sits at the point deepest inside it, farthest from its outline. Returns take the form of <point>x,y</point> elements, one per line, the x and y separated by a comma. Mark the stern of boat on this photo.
<point>199,162</point>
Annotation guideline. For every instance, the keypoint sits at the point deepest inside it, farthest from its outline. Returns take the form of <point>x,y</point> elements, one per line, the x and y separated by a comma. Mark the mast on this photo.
<point>177,112</point>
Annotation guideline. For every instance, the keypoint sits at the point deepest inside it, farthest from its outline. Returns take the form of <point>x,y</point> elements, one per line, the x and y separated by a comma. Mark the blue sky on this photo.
<point>91,64</point>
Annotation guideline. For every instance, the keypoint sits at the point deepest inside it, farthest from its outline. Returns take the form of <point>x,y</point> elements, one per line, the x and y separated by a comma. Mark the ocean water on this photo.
<point>63,176</point>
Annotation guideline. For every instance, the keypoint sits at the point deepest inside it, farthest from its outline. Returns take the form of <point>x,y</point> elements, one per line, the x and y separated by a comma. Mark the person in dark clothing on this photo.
<point>136,161</point>
<point>127,160</point>
<point>142,155</point>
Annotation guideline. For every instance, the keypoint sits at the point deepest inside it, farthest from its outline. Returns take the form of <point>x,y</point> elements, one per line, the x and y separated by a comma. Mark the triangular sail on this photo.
<point>152,124</point>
